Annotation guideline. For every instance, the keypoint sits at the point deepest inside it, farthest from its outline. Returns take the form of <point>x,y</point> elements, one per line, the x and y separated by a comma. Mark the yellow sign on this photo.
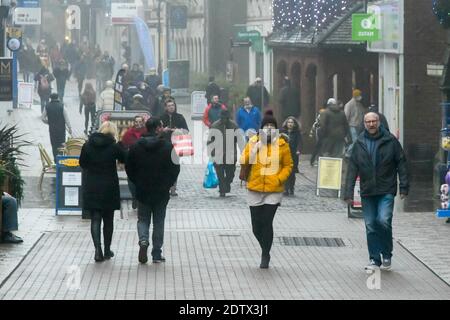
<point>70,162</point>
<point>330,174</point>
<point>13,32</point>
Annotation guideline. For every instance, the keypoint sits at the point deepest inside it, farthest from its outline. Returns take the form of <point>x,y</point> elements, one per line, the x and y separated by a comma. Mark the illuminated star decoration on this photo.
<point>290,14</point>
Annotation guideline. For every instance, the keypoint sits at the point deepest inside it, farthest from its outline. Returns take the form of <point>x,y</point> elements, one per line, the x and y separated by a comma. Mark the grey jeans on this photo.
<point>145,213</point>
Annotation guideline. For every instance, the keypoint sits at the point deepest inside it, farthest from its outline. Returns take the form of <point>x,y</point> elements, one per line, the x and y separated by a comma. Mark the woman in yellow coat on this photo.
<point>271,165</point>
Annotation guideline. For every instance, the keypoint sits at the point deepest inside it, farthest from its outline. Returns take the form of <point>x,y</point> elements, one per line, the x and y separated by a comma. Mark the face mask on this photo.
<point>359,99</point>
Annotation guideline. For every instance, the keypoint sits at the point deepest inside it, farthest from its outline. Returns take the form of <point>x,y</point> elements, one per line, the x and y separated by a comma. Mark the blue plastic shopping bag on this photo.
<point>211,181</point>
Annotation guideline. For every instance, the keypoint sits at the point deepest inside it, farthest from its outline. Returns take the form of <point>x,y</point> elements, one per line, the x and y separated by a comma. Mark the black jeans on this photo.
<point>225,173</point>
<point>89,110</point>
<point>108,227</point>
<point>262,224</point>
<point>145,213</point>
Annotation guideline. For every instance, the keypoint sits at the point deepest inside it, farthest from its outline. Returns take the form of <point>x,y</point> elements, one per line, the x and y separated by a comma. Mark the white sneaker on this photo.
<point>372,266</point>
<point>386,265</point>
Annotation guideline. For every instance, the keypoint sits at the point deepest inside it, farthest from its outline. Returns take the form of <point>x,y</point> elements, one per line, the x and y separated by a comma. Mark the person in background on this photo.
<point>271,165</point>
<point>248,117</point>
<point>79,71</point>
<point>61,73</point>
<point>58,122</point>
<point>44,79</point>
<point>153,80</point>
<point>212,112</point>
<point>334,130</point>
<point>354,111</point>
<point>258,94</point>
<point>291,128</point>
<point>136,75</point>
<point>106,99</point>
<point>290,100</point>
<point>10,221</point>
<point>224,154</point>
<point>316,134</point>
<point>101,192</point>
<point>88,99</point>
<point>212,89</point>
<point>172,121</point>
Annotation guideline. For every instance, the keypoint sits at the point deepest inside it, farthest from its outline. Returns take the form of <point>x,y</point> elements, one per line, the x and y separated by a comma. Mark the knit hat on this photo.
<point>357,93</point>
<point>269,118</point>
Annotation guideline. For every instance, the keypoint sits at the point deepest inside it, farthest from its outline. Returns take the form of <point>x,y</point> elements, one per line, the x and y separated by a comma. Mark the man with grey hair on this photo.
<point>377,158</point>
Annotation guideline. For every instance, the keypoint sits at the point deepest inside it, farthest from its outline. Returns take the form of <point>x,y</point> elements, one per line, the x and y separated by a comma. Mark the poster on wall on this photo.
<point>6,79</point>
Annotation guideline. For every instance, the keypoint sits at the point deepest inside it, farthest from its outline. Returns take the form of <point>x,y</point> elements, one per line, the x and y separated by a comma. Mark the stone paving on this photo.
<point>210,250</point>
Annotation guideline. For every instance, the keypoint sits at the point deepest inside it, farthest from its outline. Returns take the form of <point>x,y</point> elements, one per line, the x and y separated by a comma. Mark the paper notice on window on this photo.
<point>71,198</point>
<point>71,179</point>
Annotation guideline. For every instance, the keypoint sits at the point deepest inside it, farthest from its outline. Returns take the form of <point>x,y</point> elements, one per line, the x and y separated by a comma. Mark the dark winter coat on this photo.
<point>150,167</point>
<point>218,150</point>
<point>56,122</point>
<point>333,123</point>
<point>290,102</point>
<point>254,92</point>
<point>61,75</point>
<point>295,145</point>
<point>44,73</point>
<point>174,121</point>
<point>379,168</point>
<point>101,183</point>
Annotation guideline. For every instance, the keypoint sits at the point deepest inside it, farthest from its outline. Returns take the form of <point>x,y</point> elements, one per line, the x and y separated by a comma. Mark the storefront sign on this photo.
<point>365,27</point>
<point>27,16</point>
<point>6,79</point>
<point>390,14</point>
<point>123,13</point>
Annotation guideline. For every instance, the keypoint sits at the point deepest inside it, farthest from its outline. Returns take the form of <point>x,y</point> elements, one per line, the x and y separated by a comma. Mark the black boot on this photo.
<point>99,254</point>
<point>108,228</point>
<point>265,260</point>
<point>96,236</point>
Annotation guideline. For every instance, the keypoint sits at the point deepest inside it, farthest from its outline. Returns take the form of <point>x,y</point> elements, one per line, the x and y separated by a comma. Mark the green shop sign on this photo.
<point>364,27</point>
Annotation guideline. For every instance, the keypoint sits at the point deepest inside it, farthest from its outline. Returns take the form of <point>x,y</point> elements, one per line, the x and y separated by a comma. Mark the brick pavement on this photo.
<point>210,249</point>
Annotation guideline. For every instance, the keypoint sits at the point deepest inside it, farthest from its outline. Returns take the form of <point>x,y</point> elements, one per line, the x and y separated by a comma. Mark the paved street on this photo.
<point>211,252</point>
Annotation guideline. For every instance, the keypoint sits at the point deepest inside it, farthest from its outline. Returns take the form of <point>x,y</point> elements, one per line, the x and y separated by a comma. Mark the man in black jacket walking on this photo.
<point>377,158</point>
<point>153,167</point>
<point>58,121</point>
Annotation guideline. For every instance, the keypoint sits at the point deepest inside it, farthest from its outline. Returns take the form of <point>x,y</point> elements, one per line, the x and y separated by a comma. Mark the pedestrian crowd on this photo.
<point>268,155</point>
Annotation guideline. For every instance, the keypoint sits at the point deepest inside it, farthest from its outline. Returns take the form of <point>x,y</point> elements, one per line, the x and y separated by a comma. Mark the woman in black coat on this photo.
<point>291,130</point>
<point>101,192</point>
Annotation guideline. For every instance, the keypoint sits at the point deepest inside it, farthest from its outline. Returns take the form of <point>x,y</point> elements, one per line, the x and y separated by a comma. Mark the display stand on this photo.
<point>68,184</point>
<point>444,211</point>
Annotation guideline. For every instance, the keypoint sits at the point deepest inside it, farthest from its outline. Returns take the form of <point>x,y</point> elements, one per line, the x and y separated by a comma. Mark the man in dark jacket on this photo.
<point>258,94</point>
<point>377,158</point>
<point>289,101</point>
<point>172,120</point>
<point>334,130</point>
<point>153,167</point>
<point>212,112</point>
<point>212,89</point>
<point>56,116</point>
<point>224,136</point>
<point>44,79</point>
<point>61,73</point>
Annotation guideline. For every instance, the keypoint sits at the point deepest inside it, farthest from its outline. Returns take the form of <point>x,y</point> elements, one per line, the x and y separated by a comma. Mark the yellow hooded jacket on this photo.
<point>271,165</point>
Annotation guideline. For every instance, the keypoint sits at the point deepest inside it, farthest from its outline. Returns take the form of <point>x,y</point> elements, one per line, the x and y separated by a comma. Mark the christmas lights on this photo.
<point>289,14</point>
<point>441,9</point>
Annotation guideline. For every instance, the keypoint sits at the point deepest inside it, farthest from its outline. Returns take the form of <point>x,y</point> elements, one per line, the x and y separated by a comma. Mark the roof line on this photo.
<point>338,23</point>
